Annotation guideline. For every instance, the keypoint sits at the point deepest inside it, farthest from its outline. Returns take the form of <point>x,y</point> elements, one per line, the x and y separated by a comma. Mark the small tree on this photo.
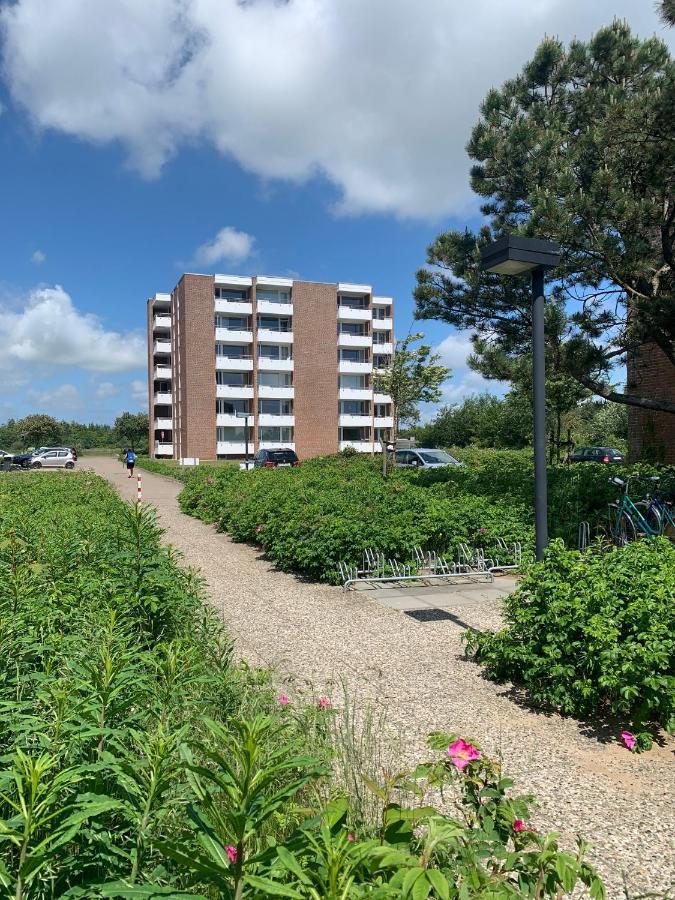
<point>132,429</point>
<point>39,430</point>
<point>414,376</point>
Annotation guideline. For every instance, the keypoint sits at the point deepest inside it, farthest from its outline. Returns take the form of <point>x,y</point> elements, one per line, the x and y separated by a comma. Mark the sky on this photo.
<point>320,139</point>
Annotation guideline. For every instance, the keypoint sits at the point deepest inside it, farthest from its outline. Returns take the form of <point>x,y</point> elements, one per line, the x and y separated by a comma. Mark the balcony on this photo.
<point>235,392</point>
<point>354,340</point>
<point>161,347</point>
<point>383,421</point>
<point>270,419</point>
<point>355,394</point>
<point>348,421</point>
<point>275,445</point>
<point>233,448</point>
<point>235,307</point>
<point>384,349</point>
<point>163,449</point>
<point>161,321</point>
<point>359,446</point>
<point>267,336</point>
<point>271,307</point>
<point>163,398</point>
<point>234,363</point>
<point>228,336</point>
<point>233,420</point>
<point>382,301</point>
<point>381,398</point>
<point>274,365</point>
<point>163,424</point>
<point>163,372</point>
<point>276,393</point>
<point>383,324</point>
<point>347,314</point>
<point>345,367</point>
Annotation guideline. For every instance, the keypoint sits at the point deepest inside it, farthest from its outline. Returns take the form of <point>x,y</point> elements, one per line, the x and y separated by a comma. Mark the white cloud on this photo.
<point>139,392</point>
<point>38,257</point>
<point>50,332</point>
<point>229,245</point>
<point>106,389</point>
<point>378,96</point>
<point>63,397</point>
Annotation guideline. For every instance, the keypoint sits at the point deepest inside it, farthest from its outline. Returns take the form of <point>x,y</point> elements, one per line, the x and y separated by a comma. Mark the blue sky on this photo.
<point>116,167</point>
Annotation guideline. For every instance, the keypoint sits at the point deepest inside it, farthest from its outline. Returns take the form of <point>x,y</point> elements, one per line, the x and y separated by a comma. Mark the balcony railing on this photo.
<point>348,421</point>
<point>354,340</point>
<point>347,314</point>
<point>161,321</point>
<point>265,364</point>
<point>346,367</point>
<point>161,347</point>
<point>385,349</point>
<point>276,445</point>
<point>234,336</point>
<point>383,324</point>
<point>234,363</point>
<point>381,398</point>
<point>163,372</point>
<point>234,307</point>
<point>355,393</point>
<point>359,446</point>
<point>233,448</point>
<point>163,398</point>
<point>269,336</point>
<point>273,308</point>
<point>235,391</point>
<point>163,424</point>
<point>276,393</point>
<point>272,419</point>
<point>163,449</point>
<point>233,420</point>
<point>383,421</point>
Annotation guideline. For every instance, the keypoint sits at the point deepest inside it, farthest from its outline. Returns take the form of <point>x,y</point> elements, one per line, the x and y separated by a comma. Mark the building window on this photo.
<point>233,379</point>
<point>274,323</point>
<point>162,387</point>
<point>356,328</point>
<point>230,433</point>
<point>353,302</point>
<point>270,295</point>
<point>352,354</point>
<point>381,362</point>
<point>230,406</point>
<point>232,323</point>
<point>230,294</point>
<point>233,351</point>
<point>383,434</point>
<point>273,351</point>
<point>275,379</point>
<point>354,408</point>
<point>354,382</point>
<point>275,434</point>
<point>381,337</point>
<point>381,312</point>
<point>275,407</point>
<point>354,434</point>
<point>382,410</point>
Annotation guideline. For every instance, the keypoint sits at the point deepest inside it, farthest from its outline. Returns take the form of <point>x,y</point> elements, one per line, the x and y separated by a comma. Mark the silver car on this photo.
<point>54,458</point>
<point>425,458</point>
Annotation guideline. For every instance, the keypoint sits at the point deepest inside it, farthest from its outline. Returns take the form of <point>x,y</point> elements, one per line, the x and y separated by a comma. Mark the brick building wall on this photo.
<point>151,386</point>
<point>315,375</point>
<point>651,435</point>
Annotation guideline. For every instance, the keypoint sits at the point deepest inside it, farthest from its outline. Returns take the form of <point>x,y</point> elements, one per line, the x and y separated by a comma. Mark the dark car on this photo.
<point>273,459</point>
<point>597,454</point>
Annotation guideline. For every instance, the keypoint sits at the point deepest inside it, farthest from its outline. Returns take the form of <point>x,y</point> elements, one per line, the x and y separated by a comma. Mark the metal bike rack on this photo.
<point>584,536</point>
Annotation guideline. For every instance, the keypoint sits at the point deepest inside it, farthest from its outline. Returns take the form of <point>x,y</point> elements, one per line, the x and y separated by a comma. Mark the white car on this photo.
<point>425,458</point>
<point>53,458</point>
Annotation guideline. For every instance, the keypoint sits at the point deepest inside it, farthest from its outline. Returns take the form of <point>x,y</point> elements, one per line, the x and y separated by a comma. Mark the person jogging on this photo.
<point>131,462</point>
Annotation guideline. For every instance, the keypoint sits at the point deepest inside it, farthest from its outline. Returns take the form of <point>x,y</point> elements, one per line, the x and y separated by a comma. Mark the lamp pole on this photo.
<point>245,416</point>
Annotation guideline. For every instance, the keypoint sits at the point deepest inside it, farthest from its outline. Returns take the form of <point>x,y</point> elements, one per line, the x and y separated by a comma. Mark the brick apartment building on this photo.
<point>651,435</point>
<point>299,357</point>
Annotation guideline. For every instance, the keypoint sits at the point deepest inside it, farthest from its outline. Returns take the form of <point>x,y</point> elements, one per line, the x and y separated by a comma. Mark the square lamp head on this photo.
<point>513,255</point>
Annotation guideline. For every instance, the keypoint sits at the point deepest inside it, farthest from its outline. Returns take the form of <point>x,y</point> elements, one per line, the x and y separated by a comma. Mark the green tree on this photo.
<point>577,148</point>
<point>414,376</point>
<point>39,430</point>
<point>666,10</point>
<point>482,420</point>
<point>132,429</point>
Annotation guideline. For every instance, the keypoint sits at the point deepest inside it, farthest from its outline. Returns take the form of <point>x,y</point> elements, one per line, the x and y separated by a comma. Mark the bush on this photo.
<point>589,632</point>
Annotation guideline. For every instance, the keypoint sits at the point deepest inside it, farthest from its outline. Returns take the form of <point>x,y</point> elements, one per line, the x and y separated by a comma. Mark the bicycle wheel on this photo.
<point>652,518</point>
<point>621,526</point>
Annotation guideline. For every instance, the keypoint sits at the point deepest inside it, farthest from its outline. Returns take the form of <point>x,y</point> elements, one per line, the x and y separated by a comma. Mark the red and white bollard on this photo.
<point>139,489</point>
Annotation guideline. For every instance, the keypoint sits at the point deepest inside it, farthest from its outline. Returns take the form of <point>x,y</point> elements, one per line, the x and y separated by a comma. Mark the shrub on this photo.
<point>589,632</point>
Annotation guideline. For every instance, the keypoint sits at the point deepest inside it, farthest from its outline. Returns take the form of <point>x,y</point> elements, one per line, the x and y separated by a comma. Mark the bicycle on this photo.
<point>630,520</point>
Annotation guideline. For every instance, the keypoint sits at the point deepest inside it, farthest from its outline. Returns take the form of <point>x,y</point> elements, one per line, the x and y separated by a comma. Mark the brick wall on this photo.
<point>151,405</point>
<point>315,373</point>
<point>651,435</point>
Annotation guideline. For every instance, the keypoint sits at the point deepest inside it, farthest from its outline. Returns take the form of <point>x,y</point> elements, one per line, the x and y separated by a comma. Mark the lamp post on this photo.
<point>513,255</point>
<point>245,416</point>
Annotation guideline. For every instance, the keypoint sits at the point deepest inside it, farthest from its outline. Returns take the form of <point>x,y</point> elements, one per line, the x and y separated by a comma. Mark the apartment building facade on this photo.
<point>290,363</point>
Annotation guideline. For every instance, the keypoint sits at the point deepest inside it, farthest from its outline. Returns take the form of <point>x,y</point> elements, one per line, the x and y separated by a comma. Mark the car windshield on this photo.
<point>615,452</point>
<point>281,456</point>
<point>437,456</point>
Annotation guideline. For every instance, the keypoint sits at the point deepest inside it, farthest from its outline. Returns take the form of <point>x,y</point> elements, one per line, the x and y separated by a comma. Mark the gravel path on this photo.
<point>316,635</point>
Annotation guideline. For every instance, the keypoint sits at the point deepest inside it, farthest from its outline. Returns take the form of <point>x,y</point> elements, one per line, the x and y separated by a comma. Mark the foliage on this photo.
<point>577,148</point>
<point>414,377</point>
<point>132,430</point>
<point>40,430</point>
<point>136,761</point>
<point>593,631</point>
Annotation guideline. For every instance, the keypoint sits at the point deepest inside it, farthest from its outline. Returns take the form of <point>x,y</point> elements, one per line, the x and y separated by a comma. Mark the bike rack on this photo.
<point>584,537</point>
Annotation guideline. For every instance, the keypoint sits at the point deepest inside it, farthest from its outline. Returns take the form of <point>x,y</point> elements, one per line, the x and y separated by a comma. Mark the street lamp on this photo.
<point>513,255</point>
<point>245,416</point>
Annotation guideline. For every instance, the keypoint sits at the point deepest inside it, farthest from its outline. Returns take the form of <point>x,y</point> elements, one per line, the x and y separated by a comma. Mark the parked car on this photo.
<point>597,454</point>
<point>24,459</point>
<point>61,457</point>
<point>425,458</point>
<point>273,459</point>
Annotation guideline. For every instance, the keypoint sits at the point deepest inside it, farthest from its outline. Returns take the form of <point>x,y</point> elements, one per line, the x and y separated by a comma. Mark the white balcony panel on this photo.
<point>357,290</point>
<point>234,364</point>
<point>383,349</point>
<point>266,336</point>
<point>230,419</point>
<point>235,307</point>
<point>359,446</point>
<point>276,445</point>
<point>354,421</point>
<point>269,307</point>
<point>355,394</point>
<point>235,448</point>
<point>354,368</point>
<point>163,372</point>
<point>275,365</point>
<point>163,398</point>
<point>161,321</point>
<point>382,301</point>
<point>163,449</point>
<point>383,422</point>
<point>225,336</point>
<point>269,419</point>
<point>235,281</point>
<point>162,298</point>
<point>354,340</point>
<point>383,324</point>
<point>163,424</point>
<point>235,392</point>
<point>381,398</point>
<point>161,347</point>
<point>346,314</point>
<point>272,281</point>
<point>276,393</point>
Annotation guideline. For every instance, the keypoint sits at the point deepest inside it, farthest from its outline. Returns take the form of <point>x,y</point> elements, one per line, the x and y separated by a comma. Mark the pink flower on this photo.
<point>231,853</point>
<point>258,529</point>
<point>629,740</point>
<point>519,825</point>
<point>482,530</point>
<point>283,699</point>
<point>462,753</point>
<point>350,837</point>
<point>323,703</point>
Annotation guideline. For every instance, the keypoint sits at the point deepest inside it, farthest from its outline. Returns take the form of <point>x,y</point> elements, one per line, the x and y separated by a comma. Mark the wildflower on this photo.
<point>629,739</point>
<point>283,700</point>
<point>519,825</point>
<point>462,753</point>
<point>323,703</point>
<point>482,530</point>
<point>231,853</point>
<point>258,529</point>
<point>350,837</point>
